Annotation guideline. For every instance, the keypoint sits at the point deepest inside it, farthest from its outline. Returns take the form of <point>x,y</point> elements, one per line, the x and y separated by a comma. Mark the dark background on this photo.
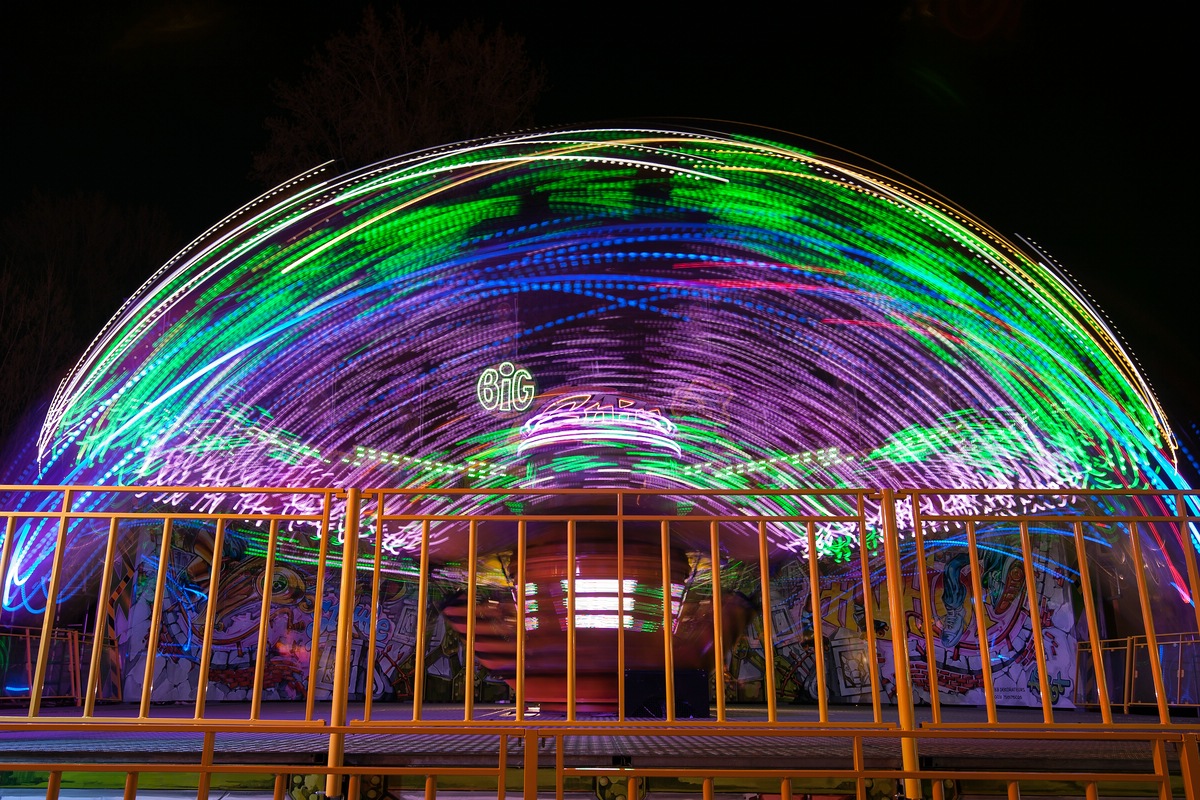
<point>1066,123</point>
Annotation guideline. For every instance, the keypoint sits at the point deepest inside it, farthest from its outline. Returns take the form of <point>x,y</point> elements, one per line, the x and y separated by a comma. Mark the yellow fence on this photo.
<point>1130,674</point>
<point>21,646</point>
<point>903,740</point>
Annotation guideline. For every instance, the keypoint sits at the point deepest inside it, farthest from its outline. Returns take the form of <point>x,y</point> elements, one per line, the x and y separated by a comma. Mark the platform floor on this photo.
<point>1034,752</point>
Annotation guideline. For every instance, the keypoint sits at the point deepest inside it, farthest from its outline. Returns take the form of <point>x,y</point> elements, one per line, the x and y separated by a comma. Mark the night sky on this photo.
<point>1068,127</point>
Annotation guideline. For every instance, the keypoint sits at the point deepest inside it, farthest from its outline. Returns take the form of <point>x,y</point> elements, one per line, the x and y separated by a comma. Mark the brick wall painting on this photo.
<point>843,618</point>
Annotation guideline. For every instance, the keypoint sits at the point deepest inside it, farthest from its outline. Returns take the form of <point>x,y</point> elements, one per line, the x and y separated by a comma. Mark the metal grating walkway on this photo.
<point>682,748</point>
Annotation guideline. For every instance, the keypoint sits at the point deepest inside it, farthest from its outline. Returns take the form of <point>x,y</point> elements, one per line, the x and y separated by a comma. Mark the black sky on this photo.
<point>1067,123</point>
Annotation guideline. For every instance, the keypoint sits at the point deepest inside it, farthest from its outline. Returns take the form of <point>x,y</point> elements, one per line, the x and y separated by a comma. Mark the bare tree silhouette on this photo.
<point>391,87</point>
<point>67,262</point>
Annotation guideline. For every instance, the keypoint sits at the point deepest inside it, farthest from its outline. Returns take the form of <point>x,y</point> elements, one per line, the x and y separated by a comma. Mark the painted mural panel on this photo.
<point>956,654</point>
<point>289,625</point>
<point>1009,627</point>
<point>848,659</point>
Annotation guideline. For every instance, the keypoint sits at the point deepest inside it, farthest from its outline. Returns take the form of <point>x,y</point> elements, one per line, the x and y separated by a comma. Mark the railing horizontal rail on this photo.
<point>298,768</point>
<point>467,517</point>
<point>748,600</point>
<point>131,516</point>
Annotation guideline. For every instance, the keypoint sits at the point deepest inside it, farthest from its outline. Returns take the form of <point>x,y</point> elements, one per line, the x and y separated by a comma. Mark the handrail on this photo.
<point>489,582</point>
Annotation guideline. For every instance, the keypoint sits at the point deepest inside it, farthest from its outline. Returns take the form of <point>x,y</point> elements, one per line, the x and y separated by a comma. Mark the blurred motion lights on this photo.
<point>594,307</point>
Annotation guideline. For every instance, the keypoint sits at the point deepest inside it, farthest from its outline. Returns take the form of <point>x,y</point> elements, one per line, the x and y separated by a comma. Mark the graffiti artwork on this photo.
<point>296,603</point>
<point>956,655</point>
<point>290,626</point>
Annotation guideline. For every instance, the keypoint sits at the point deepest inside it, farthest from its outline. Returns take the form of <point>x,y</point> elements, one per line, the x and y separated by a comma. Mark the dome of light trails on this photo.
<point>599,308</point>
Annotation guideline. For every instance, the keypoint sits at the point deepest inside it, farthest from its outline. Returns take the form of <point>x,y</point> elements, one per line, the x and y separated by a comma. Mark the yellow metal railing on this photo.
<point>896,535</point>
<point>530,761</point>
<point>21,646</point>
<point>1179,656</point>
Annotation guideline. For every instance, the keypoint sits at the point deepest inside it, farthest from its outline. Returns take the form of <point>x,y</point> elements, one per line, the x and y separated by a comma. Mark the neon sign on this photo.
<point>505,387</point>
<point>577,418</point>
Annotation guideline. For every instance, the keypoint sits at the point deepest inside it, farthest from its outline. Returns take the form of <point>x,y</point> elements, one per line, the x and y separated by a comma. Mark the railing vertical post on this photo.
<point>131,783</point>
<point>472,613</point>
<point>314,649</point>
<point>210,618</point>
<point>73,644</point>
<point>1093,631</point>
<point>1179,669</point>
<point>529,765</point>
<point>667,622</point>
<point>502,768</point>
<point>264,621</point>
<point>768,641</point>
<point>1127,694</point>
<point>571,570</point>
<point>29,664</point>
<point>206,760</point>
<point>560,757</point>
<point>985,654</point>
<point>1189,553</point>
<point>97,636</point>
<point>904,700</point>
<point>60,545</point>
<point>6,548</point>
<point>718,623</point>
<point>1035,623</point>
<point>422,616</point>
<point>814,594</point>
<point>1139,571</point>
<point>156,615</point>
<point>860,783</point>
<point>869,608</point>
<point>1189,766</point>
<point>1162,769</point>
<point>373,635</point>
<point>53,784</point>
<point>621,607</point>
<point>520,688</point>
<point>345,636</point>
<point>935,698</point>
